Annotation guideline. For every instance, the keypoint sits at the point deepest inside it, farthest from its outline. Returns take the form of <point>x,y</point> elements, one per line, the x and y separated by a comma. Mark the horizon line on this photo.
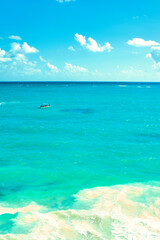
<point>63,81</point>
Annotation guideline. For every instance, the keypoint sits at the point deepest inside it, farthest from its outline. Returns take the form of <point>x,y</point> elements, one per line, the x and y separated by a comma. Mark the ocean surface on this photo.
<point>86,168</point>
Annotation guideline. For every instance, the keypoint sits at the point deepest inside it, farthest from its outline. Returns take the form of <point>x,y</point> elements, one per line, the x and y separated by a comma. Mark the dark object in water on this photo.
<point>45,106</point>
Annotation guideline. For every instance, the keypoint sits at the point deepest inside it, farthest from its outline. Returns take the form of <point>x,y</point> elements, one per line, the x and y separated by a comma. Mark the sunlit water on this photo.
<point>86,168</point>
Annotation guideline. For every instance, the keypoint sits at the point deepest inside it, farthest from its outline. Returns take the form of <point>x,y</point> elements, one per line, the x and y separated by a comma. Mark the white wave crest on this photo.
<point>122,85</point>
<point>12,102</point>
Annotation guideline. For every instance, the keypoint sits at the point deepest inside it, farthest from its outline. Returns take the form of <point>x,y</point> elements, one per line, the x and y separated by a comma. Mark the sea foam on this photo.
<point>105,213</point>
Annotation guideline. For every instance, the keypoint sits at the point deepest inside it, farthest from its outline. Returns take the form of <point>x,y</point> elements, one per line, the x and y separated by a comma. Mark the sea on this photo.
<point>86,168</point>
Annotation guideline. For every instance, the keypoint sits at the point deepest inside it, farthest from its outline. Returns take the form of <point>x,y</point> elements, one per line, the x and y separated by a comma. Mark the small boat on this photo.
<point>45,106</point>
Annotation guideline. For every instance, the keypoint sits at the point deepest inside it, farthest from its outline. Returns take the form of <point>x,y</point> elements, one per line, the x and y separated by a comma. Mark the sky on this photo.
<point>80,40</point>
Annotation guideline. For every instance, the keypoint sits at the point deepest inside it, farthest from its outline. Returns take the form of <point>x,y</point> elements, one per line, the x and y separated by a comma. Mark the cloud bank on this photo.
<point>139,42</point>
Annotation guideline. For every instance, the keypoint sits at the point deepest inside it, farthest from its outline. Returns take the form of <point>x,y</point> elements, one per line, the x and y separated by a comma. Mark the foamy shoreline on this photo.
<point>104,213</point>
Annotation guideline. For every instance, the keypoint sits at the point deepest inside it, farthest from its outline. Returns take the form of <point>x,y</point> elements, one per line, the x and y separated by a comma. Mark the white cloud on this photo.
<point>19,64</point>
<point>2,52</point>
<point>15,37</point>
<point>32,64</point>
<point>156,65</point>
<point>22,66</point>
<point>139,42</point>
<point>155,48</point>
<point>61,1</point>
<point>81,39</point>
<point>28,49</point>
<point>52,67</point>
<point>15,47</point>
<point>49,65</point>
<point>3,60</point>
<point>3,57</point>
<point>155,56</point>
<point>71,48</point>
<point>132,71</point>
<point>24,48</point>
<point>73,68</point>
<point>94,47</point>
<point>149,55</point>
<point>20,57</point>
<point>42,59</point>
<point>91,44</point>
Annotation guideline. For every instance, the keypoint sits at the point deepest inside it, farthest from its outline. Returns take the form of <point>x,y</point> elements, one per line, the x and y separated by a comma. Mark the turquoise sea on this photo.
<point>86,168</point>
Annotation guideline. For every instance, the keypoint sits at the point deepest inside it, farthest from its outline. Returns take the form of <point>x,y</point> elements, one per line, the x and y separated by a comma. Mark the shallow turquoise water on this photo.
<point>94,135</point>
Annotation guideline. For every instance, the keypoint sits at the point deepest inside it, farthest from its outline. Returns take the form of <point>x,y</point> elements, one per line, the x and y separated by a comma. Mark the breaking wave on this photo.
<point>102,213</point>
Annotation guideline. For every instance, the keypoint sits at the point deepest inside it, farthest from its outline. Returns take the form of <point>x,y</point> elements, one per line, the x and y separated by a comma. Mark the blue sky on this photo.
<point>81,40</point>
